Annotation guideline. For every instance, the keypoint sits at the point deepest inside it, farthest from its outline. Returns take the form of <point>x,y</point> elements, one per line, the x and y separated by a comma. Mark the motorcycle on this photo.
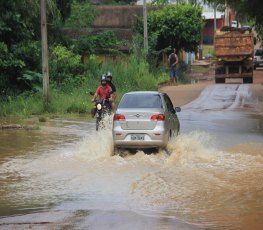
<point>101,109</point>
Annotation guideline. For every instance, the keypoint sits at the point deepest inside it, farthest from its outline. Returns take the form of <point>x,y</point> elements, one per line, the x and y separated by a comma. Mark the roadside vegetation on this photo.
<point>71,95</point>
<point>74,66</point>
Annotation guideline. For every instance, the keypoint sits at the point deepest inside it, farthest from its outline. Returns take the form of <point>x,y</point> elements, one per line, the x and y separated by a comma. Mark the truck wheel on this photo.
<point>247,80</point>
<point>220,80</point>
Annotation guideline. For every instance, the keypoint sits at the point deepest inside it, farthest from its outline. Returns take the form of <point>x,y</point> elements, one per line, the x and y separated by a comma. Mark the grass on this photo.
<point>75,99</point>
<point>42,119</point>
<point>208,50</point>
<point>200,69</point>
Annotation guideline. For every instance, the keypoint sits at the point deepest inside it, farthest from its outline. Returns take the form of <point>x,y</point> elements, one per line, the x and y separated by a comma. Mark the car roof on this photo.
<point>144,92</point>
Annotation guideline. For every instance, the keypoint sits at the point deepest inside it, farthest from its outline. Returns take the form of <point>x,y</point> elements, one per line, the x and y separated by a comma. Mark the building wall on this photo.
<point>119,19</point>
<point>208,32</point>
<point>116,16</point>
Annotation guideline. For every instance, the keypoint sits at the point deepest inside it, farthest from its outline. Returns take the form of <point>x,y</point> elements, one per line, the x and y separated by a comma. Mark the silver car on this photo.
<point>144,119</point>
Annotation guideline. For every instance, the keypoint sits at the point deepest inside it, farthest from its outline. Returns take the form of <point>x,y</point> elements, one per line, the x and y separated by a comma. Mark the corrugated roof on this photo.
<point>210,15</point>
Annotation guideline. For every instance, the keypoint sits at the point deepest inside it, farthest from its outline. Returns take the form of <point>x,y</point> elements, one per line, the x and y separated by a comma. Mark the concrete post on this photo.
<point>45,70</point>
<point>145,29</point>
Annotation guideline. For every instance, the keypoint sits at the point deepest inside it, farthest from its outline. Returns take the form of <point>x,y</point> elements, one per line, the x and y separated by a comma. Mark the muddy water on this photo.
<point>63,175</point>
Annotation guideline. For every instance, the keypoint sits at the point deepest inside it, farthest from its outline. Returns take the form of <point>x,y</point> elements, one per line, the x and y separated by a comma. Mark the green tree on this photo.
<point>176,26</point>
<point>90,44</point>
<point>64,7</point>
<point>82,14</point>
<point>252,9</point>
<point>17,33</point>
<point>64,65</point>
<point>17,20</point>
<point>20,38</point>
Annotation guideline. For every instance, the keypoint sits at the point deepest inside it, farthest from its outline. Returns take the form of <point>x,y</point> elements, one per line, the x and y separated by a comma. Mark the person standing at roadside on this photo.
<point>173,61</point>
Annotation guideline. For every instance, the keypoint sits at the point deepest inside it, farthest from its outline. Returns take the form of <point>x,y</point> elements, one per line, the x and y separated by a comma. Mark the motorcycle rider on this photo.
<point>113,94</point>
<point>103,91</point>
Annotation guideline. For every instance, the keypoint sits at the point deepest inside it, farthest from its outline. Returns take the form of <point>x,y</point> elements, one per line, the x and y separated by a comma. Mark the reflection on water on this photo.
<point>197,184</point>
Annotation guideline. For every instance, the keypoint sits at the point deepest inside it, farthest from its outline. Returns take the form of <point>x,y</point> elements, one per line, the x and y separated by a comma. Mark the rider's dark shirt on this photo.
<point>112,86</point>
<point>172,59</point>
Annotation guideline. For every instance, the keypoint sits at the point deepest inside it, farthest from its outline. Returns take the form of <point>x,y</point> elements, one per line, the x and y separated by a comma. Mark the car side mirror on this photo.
<point>177,109</point>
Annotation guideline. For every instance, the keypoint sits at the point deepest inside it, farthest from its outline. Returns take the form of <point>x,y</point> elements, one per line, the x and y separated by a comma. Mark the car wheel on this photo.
<point>166,151</point>
<point>115,151</point>
<point>170,135</point>
<point>118,151</point>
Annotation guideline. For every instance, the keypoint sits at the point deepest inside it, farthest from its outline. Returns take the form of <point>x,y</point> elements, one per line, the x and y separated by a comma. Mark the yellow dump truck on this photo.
<point>234,54</point>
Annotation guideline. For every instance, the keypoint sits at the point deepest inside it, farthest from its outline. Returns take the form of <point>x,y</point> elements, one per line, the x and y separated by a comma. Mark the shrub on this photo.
<point>106,40</point>
<point>64,65</point>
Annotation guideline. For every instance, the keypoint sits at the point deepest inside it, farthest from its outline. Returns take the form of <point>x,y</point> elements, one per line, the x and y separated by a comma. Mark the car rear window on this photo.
<point>259,53</point>
<point>141,101</point>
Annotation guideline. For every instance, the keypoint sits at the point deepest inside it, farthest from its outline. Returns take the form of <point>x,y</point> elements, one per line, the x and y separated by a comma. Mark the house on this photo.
<point>226,18</point>
<point>209,27</point>
<point>119,19</point>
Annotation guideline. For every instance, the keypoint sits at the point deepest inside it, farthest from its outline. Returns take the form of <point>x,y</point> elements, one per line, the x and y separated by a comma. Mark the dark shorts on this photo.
<point>172,72</point>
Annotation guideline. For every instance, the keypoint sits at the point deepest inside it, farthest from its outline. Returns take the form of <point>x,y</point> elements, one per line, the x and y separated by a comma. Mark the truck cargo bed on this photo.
<point>234,53</point>
<point>233,46</point>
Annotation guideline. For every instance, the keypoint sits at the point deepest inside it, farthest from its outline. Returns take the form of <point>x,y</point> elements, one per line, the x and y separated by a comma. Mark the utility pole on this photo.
<point>226,23</point>
<point>145,34</point>
<point>45,71</point>
<point>215,6</point>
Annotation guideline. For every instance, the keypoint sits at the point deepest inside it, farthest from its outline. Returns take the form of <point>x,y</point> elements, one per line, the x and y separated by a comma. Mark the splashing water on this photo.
<point>202,185</point>
<point>196,183</point>
<point>97,145</point>
<point>186,148</point>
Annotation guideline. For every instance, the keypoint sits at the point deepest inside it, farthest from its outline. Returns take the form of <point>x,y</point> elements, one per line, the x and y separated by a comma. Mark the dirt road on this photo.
<point>183,94</point>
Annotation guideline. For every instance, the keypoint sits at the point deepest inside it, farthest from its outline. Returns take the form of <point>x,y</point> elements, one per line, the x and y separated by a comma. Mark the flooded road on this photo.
<point>63,175</point>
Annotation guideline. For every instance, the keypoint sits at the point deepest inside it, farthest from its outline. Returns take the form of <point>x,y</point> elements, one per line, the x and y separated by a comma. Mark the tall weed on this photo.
<point>129,74</point>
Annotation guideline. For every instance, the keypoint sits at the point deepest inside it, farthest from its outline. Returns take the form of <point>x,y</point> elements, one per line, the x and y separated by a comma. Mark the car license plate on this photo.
<point>137,137</point>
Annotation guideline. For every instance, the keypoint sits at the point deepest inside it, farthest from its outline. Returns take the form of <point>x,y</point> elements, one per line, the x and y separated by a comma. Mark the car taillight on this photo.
<point>158,117</point>
<point>119,117</point>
